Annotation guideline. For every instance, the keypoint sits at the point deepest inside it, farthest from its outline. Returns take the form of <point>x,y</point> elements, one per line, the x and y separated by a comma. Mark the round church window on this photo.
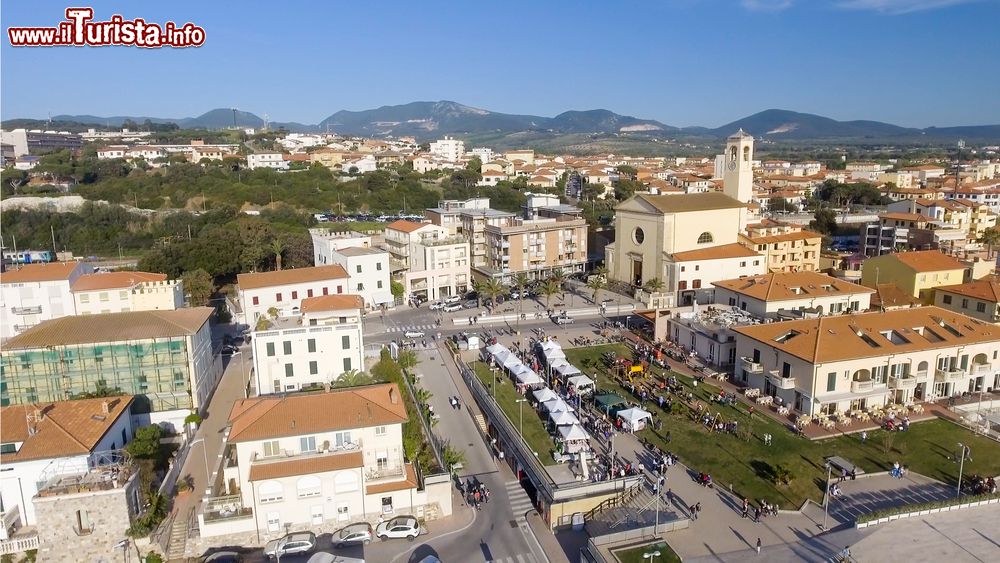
<point>638,236</point>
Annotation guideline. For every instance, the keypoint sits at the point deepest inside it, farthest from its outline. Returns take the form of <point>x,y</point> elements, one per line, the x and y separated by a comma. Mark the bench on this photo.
<point>843,465</point>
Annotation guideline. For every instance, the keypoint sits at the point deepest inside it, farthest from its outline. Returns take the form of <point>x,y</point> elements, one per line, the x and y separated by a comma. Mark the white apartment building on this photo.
<point>485,154</point>
<point>429,261</point>
<point>790,295</point>
<point>38,437</point>
<point>312,348</point>
<point>838,363</point>
<point>120,292</point>
<point>325,242</point>
<point>366,163</point>
<point>34,293</point>
<point>690,274</point>
<point>317,461</point>
<point>449,148</point>
<point>369,271</point>
<point>273,160</point>
<point>283,291</point>
<point>448,213</point>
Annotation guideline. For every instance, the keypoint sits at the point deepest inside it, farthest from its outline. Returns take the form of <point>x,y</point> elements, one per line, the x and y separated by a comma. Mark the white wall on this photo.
<point>328,357</point>
<point>54,298</point>
<point>291,297</point>
<point>369,276</point>
<point>760,308</point>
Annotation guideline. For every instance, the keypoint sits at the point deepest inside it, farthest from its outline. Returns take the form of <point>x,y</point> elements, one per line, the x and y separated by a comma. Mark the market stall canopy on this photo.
<point>557,405</point>
<point>634,415</point>
<point>566,369</point>
<point>574,432</point>
<point>563,418</point>
<point>546,394</point>
<point>608,401</point>
<point>525,376</point>
<point>580,382</point>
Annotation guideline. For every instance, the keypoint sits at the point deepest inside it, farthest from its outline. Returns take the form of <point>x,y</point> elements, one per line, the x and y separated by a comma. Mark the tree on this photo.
<point>628,171</point>
<point>199,286</point>
<point>559,277</point>
<point>277,247</point>
<point>477,286</point>
<point>493,289</point>
<point>654,285</point>
<point>397,289</point>
<point>777,204</point>
<point>520,281</point>
<point>596,284</point>
<point>352,378</point>
<point>549,288</point>
<point>407,359</point>
<point>824,221</point>
<point>146,442</point>
<point>991,238</point>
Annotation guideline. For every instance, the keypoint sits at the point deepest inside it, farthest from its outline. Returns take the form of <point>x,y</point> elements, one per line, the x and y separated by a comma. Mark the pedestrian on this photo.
<point>694,512</point>
<point>697,508</point>
<point>864,436</point>
<point>758,546</point>
<point>756,514</point>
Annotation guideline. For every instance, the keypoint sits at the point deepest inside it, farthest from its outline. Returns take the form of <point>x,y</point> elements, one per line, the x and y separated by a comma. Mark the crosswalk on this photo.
<point>520,503</point>
<point>404,328</point>
<point>519,558</point>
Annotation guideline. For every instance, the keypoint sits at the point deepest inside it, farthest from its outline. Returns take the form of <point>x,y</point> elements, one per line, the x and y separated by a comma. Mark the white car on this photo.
<point>452,308</point>
<point>302,542</point>
<point>436,305</point>
<point>564,320</point>
<point>414,334</point>
<point>453,299</point>
<point>399,527</point>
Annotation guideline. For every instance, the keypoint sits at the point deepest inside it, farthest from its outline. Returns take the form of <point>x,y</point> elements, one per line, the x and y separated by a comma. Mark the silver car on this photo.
<point>301,542</point>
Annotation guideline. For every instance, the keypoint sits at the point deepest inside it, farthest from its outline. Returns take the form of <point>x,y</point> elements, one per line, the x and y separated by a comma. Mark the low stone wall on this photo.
<point>645,532</point>
<point>893,517</point>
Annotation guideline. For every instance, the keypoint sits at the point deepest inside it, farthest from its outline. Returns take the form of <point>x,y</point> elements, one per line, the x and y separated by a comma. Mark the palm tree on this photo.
<point>991,238</point>
<point>600,271</point>
<point>596,284</point>
<point>520,281</point>
<point>277,247</point>
<point>559,276</point>
<point>549,288</point>
<point>654,285</point>
<point>352,378</point>
<point>477,286</point>
<point>493,289</point>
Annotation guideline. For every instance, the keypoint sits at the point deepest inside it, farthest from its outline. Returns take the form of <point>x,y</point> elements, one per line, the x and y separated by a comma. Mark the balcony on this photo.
<point>781,382</point>
<point>948,374</point>
<point>26,310</point>
<point>862,385</point>
<point>896,382</point>
<point>324,451</point>
<point>103,471</point>
<point>11,521</point>
<point>751,366</point>
<point>226,508</point>
<point>982,369</point>
<point>21,542</point>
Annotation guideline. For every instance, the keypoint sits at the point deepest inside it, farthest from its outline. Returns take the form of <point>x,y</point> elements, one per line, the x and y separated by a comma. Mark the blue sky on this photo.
<point>683,62</point>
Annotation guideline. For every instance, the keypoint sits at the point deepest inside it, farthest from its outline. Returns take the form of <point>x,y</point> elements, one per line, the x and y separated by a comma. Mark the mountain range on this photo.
<point>431,120</point>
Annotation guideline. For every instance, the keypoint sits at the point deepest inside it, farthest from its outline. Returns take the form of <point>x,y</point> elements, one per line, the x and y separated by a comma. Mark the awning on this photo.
<point>563,418</point>
<point>545,394</point>
<point>574,432</point>
<point>525,376</point>
<point>634,415</point>
<point>557,405</point>
<point>566,369</point>
<point>580,381</point>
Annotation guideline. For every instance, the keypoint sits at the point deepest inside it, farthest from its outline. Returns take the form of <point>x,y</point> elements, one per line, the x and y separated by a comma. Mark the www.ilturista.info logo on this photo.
<point>79,30</point>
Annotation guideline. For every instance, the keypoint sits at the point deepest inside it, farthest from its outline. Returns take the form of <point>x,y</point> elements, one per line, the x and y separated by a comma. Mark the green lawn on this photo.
<point>634,554</point>
<point>927,448</point>
<point>535,434</point>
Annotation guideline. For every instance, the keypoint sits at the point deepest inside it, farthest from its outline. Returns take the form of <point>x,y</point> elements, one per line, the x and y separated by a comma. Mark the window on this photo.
<point>696,284</point>
<point>289,370</point>
<point>980,307</point>
<point>340,289</point>
<point>271,448</point>
<point>308,486</point>
<point>83,523</point>
<point>313,368</point>
<point>307,444</point>
<point>84,298</point>
<point>705,238</point>
<point>347,364</point>
<point>387,505</point>
<point>380,284</point>
<point>743,264</point>
<point>326,291</point>
<point>359,268</point>
<point>295,295</point>
<point>269,491</point>
<point>378,266</point>
<point>965,303</point>
<point>270,348</point>
<point>831,381</point>
<point>104,296</point>
<point>341,439</point>
<point>311,344</point>
<point>286,347</point>
<point>256,300</point>
<point>682,285</point>
<point>361,286</point>
<point>345,341</point>
<point>380,431</point>
<point>638,235</point>
<point>277,297</point>
<point>12,448</point>
<point>309,293</point>
<point>382,460</point>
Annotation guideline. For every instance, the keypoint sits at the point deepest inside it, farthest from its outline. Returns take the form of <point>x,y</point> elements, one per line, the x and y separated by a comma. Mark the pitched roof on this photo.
<point>785,237</point>
<point>889,296</point>
<point>734,250</point>
<point>846,337</point>
<point>65,428</point>
<point>405,226</point>
<point>900,216</point>
<point>288,277</point>
<point>987,289</point>
<point>114,280</point>
<point>926,260</point>
<point>690,202</point>
<point>332,303</point>
<point>52,271</point>
<point>305,465</point>
<point>266,417</point>
<point>787,286</point>
<point>112,327</point>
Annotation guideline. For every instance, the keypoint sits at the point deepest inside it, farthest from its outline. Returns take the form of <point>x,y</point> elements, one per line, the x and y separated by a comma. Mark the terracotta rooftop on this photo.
<point>409,483</point>
<point>405,226</point>
<point>53,271</point>
<point>785,237</point>
<point>305,465</point>
<point>112,327</point>
<point>890,296</point>
<point>846,337</point>
<point>899,216</point>
<point>332,303</point>
<point>266,417</point>
<point>734,250</point>
<point>114,280</point>
<point>65,428</point>
<point>691,202</point>
<point>785,286</point>
<point>986,289</point>
<point>925,260</point>
<point>288,277</point>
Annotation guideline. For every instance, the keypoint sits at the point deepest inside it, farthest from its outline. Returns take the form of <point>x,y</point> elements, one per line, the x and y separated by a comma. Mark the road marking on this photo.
<point>453,532</point>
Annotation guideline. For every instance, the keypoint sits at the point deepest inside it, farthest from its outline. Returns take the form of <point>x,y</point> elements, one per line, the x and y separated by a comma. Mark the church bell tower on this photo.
<point>737,181</point>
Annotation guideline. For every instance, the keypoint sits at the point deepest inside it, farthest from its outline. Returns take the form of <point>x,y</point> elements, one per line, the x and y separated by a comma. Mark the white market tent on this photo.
<point>525,376</point>
<point>574,432</point>
<point>563,418</point>
<point>557,405</point>
<point>635,418</point>
<point>545,394</point>
<point>565,369</point>
<point>582,383</point>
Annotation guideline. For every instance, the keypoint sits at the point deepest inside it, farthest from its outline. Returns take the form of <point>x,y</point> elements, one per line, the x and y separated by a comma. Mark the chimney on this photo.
<point>392,396</point>
<point>105,407</point>
<point>293,423</point>
<point>39,414</point>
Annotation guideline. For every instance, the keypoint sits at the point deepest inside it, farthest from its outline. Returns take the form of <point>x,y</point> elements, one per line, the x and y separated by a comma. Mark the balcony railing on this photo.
<point>19,543</point>
<point>862,385</point>
<point>286,455</point>
<point>782,382</point>
<point>26,310</point>
<point>982,369</point>
<point>896,382</point>
<point>11,519</point>
<point>948,374</point>
<point>374,474</point>
<point>226,508</point>
<point>751,366</point>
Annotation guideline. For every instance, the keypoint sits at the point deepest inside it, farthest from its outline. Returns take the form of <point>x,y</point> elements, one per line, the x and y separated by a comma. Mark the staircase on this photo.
<point>481,422</point>
<point>637,510</point>
<point>177,540</point>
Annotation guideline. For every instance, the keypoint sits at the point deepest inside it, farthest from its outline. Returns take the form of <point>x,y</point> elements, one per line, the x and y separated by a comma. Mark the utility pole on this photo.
<point>52,230</point>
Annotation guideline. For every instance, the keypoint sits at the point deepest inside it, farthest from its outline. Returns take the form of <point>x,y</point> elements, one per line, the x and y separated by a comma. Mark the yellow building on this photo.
<point>916,273</point>
<point>791,251</point>
<point>331,158</point>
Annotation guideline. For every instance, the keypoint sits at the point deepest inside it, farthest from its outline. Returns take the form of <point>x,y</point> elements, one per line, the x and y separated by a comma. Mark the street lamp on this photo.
<point>493,370</point>
<point>961,466</point>
<point>204,452</point>
<point>651,555</point>
<point>520,416</point>
<point>826,494</point>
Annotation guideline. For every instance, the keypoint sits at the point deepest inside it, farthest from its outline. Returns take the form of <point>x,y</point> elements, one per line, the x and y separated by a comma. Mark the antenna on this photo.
<point>234,117</point>
<point>267,121</point>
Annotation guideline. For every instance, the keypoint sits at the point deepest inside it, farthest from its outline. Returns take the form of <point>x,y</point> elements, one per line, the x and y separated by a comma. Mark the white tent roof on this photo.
<point>549,345</point>
<point>557,405</point>
<point>565,369</point>
<point>574,432</point>
<point>527,377</point>
<point>494,349</point>
<point>563,418</point>
<point>579,381</point>
<point>512,363</point>
<point>545,394</point>
<point>552,356</point>
<point>634,415</point>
